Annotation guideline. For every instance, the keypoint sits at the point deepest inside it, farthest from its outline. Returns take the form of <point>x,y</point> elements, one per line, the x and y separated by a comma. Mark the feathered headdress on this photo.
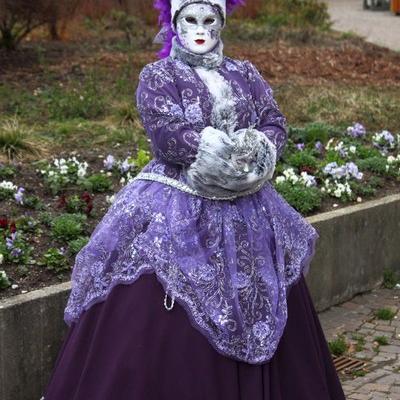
<point>168,7</point>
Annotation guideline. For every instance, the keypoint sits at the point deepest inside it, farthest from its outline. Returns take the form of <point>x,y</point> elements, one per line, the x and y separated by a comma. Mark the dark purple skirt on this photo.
<point>129,347</point>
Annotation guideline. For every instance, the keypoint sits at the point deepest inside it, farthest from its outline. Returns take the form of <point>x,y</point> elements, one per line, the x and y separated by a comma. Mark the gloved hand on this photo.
<point>226,166</point>
<point>255,154</point>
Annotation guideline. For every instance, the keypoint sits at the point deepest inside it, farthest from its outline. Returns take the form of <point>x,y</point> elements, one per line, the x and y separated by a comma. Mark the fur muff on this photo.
<point>226,165</point>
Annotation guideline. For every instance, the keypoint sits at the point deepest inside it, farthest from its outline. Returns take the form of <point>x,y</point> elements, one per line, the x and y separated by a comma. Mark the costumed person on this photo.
<point>192,285</point>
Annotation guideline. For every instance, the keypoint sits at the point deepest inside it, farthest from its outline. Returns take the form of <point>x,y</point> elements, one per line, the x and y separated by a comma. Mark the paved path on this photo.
<point>356,321</point>
<point>379,27</point>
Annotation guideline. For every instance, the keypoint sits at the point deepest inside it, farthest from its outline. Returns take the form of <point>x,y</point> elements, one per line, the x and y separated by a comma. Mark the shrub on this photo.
<point>98,183</point>
<point>374,164</point>
<point>54,260</point>
<point>19,17</point>
<point>312,133</point>
<point>301,159</point>
<point>7,171</point>
<point>74,246</point>
<point>68,226</point>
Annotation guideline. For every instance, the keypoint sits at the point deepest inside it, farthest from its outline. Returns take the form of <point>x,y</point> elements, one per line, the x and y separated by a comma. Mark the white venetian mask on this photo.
<point>199,27</point>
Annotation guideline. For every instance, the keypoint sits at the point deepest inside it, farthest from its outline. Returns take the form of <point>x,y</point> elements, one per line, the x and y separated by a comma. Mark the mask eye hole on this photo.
<point>209,21</point>
<point>190,20</point>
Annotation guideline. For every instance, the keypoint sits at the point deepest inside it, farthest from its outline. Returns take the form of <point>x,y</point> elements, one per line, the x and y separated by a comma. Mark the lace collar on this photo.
<point>209,60</point>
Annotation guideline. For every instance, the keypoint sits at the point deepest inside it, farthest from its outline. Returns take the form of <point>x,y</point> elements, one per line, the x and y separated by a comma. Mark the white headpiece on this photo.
<point>177,5</point>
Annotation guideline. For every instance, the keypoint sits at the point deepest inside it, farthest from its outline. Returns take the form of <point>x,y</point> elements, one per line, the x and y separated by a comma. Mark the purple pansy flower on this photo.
<point>109,162</point>
<point>357,130</point>
<point>19,195</point>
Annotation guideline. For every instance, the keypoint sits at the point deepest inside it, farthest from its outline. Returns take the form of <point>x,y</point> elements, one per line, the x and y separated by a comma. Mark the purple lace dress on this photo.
<point>180,296</point>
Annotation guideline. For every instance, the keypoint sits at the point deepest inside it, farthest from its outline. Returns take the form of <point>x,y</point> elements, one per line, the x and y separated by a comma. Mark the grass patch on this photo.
<point>16,140</point>
<point>385,314</point>
<point>340,105</point>
<point>338,346</point>
<point>390,278</point>
<point>381,340</point>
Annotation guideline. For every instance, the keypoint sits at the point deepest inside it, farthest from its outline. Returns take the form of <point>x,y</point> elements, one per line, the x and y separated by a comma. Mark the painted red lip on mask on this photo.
<point>200,41</point>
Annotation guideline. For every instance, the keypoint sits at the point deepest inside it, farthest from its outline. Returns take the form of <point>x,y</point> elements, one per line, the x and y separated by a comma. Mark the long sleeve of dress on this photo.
<point>270,119</point>
<point>173,137</point>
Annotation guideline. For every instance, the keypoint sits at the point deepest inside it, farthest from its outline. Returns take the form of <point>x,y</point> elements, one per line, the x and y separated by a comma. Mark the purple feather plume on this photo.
<point>164,20</point>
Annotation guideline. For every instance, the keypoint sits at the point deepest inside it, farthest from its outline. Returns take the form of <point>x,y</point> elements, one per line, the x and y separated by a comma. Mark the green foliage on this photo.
<point>381,340</point>
<point>68,227</point>
<point>98,183</point>
<point>362,189</point>
<point>376,181</point>
<point>390,278</point>
<point>303,199</point>
<point>54,260</point>
<point>365,152</point>
<point>26,223</point>
<point>61,173</point>
<point>45,218</point>
<point>301,159</point>
<point>6,193</point>
<point>7,171</point>
<point>373,164</point>
<point>4,281</point>
<point>296,14</point>
<point>142,159</point>
<point>84,102</point>
<point>74,204</point>
<point>312,133</point>
<point>358,372</point>
<point>74,246</point>
<point>17,251</point>
<point>385,314</point>
<point>360,342</point>
<point>338,346</point>
<point>33,202</point>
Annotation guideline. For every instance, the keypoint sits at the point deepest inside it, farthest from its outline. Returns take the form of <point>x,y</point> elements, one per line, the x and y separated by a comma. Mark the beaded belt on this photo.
<point>151,176</point>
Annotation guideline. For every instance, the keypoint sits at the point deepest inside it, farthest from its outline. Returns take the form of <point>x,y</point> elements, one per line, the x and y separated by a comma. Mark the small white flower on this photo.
<point>280,179</point>
<point>353,149</point>
<point>110,199</point>
<point>1,258</point>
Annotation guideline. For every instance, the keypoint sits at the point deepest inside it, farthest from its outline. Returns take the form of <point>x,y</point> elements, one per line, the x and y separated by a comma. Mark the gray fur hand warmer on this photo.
<point>225,166</point>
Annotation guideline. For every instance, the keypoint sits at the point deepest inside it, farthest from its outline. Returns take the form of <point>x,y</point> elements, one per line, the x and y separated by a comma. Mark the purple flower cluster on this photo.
<point>357,130</point>
<point>348,170</point>
<point>109,162</point>
<point>384,140</point>
<point>15,251</point>
<point>300,146</point>
<point>319,146</point>
<point>19,196</point>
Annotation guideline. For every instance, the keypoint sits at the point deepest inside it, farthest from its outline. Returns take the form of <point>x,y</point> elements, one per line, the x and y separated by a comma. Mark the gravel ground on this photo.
<point>379,27</point>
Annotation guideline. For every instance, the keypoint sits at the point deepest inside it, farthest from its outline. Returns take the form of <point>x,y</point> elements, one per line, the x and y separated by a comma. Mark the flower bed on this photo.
<point>50,207</point>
